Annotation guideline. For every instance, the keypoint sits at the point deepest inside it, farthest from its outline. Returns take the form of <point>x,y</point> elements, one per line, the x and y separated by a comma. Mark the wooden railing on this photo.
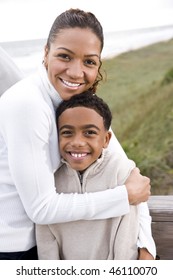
<point>161,211</point>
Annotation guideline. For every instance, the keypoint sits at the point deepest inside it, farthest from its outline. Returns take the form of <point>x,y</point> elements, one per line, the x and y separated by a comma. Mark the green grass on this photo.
<point>139,91</point>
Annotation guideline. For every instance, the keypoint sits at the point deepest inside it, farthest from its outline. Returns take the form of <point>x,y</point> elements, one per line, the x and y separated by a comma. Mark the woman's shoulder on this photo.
<point>23,98</point>
<point>23,90</point>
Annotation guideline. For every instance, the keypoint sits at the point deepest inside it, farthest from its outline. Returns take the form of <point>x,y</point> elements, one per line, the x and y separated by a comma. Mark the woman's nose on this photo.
<point>75,70</point>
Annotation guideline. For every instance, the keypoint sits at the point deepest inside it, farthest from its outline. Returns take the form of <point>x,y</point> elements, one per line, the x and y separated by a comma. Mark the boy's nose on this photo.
<point>78,141</point>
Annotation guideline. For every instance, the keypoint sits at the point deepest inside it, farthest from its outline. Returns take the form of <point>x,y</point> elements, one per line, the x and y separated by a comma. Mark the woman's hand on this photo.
<point>144,254</point>
<point>138,187</point>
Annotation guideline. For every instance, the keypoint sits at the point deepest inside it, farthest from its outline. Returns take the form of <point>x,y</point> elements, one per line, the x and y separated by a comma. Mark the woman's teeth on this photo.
<point>69,84</point>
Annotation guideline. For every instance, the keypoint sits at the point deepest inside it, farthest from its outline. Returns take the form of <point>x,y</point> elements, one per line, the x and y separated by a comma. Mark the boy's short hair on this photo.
<point>88,100</point>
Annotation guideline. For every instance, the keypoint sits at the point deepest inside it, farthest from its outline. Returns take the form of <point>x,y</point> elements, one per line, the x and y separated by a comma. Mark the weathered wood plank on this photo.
<point>163,236</point>
<point>161,207</point>
<point>161,211</point>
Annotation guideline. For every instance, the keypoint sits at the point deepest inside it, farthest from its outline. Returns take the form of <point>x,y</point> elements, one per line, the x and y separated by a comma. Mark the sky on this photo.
<point>32,19</point>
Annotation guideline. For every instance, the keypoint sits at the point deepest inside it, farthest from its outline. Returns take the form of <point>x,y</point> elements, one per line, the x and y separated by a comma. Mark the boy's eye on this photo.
<point>66,133</point>
<point>90,132</point>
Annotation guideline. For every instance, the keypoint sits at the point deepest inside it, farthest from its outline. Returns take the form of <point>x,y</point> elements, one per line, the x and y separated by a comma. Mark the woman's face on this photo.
<point>73,60</point>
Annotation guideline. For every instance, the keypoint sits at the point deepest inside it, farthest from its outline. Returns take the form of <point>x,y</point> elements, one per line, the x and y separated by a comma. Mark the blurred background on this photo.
<point>127,24</point>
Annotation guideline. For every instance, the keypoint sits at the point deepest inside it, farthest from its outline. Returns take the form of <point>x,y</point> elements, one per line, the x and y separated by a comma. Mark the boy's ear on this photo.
<point>107,139</point>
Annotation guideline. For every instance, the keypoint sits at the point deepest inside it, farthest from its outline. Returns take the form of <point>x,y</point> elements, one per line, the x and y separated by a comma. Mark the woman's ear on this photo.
<point>107,138</point>
<point>46,51</point>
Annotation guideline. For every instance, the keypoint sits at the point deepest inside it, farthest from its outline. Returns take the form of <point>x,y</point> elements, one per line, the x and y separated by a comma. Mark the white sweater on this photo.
<point>28,158</point>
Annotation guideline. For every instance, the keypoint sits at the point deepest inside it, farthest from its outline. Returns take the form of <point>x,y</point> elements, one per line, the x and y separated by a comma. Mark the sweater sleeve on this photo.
<point>27,130</point>
<point>145,239</point>
<point>115,147</point>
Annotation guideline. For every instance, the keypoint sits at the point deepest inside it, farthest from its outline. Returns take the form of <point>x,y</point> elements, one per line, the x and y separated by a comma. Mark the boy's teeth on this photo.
<point>78,155</point>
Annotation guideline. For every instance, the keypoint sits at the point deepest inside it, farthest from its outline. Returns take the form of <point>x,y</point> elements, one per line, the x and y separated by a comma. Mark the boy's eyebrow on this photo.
<point>67,126</point>
<point>91,126</point>
<point>88,55</point>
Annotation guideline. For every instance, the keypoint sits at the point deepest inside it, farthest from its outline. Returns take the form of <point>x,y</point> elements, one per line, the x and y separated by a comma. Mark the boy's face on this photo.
<point>82,136</point>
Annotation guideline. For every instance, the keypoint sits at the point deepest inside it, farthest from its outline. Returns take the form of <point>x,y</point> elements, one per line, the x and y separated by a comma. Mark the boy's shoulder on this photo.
<point>118,159</point>
<point>120,164</point>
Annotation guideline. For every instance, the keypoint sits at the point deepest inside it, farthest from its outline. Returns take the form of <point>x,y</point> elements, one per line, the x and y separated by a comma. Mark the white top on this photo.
<point>28,158</point>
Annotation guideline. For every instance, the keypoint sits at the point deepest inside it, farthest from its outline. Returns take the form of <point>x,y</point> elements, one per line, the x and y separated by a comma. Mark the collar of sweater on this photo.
<point>94,168</point>
<point>53,94</point>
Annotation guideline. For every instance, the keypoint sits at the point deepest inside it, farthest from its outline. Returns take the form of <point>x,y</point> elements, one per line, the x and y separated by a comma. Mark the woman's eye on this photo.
<point>64,56</point>
<point>90,62</point>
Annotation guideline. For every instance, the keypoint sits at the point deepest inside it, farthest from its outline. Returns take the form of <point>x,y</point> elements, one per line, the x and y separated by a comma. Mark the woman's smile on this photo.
<point>70,84</point>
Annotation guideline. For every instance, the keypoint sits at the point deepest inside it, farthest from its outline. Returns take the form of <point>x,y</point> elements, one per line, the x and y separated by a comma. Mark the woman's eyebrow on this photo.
<point>65,49</point>
<point>70,51</point>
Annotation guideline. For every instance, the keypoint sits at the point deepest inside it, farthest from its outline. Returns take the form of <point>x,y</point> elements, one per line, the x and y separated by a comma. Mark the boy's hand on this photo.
<point>138,187</point>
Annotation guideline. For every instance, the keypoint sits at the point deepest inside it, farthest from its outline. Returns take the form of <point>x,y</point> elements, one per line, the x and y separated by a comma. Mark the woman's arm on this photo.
<point>145,255</point>
<point>115,147</point>
<point>28,126</point>
<point>146,244</point>
<point>137,186</point>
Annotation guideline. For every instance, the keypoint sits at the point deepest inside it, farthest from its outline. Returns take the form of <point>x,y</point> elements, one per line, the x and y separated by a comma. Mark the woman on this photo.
<point>29,144</point>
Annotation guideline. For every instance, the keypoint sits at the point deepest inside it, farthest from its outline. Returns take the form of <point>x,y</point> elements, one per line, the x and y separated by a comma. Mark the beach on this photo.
<point>28,54</point>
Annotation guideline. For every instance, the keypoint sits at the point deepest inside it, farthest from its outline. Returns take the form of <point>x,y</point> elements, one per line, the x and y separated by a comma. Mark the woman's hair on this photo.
<point>77,18</point>
<point>88,100</point>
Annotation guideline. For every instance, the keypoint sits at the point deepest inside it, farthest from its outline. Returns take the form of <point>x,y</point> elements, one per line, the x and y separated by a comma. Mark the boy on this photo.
<point>83,127</point>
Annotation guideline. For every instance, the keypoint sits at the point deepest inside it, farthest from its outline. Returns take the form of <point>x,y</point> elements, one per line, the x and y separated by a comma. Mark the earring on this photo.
<point>44,63</point>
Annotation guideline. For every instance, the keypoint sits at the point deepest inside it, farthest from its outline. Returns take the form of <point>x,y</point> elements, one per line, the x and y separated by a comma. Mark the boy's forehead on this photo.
<point>81,115</point>
<point>80,110</point>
